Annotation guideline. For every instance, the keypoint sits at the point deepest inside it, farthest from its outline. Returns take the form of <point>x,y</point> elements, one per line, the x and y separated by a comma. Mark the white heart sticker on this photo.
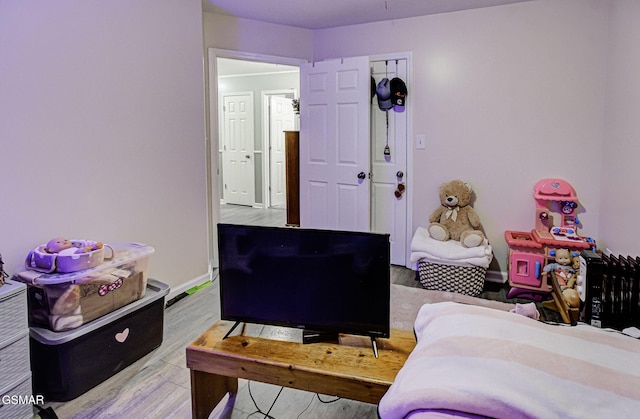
<point>122,336</point>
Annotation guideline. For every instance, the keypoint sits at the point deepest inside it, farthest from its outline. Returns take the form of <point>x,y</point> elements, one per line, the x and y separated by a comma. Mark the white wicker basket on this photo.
<point>467,280</point>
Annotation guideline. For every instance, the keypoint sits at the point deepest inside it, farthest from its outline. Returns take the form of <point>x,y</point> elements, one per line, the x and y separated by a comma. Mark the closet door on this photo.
<point>389,169</point>
<point>334,144</point>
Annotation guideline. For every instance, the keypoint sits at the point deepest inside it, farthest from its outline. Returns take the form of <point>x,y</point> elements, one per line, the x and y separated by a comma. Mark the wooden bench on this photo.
<point>348,369</point>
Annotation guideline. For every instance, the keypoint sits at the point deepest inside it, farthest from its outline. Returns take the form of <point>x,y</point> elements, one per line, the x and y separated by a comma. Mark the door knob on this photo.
<point>362,175</point>
<point>400,174</point>
<point>248,156</point>
<point>399,190</point>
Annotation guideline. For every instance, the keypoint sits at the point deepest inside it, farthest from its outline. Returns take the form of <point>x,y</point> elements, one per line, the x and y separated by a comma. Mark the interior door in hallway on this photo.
<point>237,150</point>
<point>281,119</point>
<point>334,144</point>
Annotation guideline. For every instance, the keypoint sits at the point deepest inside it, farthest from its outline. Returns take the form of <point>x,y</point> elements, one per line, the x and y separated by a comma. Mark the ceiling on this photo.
<point>315,14</point>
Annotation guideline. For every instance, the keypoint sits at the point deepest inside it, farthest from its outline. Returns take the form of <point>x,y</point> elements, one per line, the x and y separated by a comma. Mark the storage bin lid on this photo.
<point>155,291</point>
<point>124,253</point>
<point>10,288</point>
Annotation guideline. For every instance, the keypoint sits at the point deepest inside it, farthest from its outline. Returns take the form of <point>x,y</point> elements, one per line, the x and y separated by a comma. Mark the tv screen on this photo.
<point>321,280</point>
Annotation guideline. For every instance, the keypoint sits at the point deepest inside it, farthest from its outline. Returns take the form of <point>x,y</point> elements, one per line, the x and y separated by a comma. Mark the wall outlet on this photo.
<point>421,141</point>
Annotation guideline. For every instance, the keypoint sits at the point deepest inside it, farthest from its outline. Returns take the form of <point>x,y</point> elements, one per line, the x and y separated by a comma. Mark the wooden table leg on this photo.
<point>207,390</point>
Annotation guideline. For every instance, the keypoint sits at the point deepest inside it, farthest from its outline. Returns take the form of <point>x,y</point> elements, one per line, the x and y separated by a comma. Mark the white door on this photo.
<point>281,119</point>
<point>334,144</point>
<point>389,171</point>
<point>237,150</point>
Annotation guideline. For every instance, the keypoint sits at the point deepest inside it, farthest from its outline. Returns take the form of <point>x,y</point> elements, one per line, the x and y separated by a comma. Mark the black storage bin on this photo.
<point>67,364</point>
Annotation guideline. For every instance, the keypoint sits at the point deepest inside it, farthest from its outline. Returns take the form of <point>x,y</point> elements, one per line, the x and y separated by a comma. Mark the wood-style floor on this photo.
<point>157,386</point>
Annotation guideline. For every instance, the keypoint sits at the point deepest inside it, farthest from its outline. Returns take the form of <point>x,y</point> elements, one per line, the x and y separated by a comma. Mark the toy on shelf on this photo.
<point>552,243</point>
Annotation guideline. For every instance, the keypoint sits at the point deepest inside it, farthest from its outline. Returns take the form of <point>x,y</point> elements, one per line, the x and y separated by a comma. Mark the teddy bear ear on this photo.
<point>468,186</point>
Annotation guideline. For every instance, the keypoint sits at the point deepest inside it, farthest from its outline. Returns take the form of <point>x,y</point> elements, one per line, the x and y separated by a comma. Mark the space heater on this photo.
<point>612,285</point>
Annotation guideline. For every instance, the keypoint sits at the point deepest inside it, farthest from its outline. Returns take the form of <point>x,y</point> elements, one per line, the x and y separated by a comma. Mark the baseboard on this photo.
<point>496,276</point>
<point>188,285</point>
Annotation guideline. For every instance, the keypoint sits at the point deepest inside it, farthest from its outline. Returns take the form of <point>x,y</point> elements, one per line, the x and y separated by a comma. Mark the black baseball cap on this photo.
<point>398,91</point>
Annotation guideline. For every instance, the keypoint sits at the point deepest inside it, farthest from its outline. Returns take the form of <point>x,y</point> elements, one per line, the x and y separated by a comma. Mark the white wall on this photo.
<point>621,145</point>
<point>102,129</point>
<point>506,96</point>
<point>252,36</point>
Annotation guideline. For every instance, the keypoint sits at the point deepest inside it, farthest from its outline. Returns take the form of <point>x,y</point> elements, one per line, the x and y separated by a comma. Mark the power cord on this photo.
<point>320,400</point>
<point>327,401</point>
<point>305,409</point>
<point>267,414</point>
<point>258,410</point>
<point>272,404</point>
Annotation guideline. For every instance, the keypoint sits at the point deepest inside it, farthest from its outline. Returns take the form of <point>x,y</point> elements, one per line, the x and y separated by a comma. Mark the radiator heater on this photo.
<point>612,285</point>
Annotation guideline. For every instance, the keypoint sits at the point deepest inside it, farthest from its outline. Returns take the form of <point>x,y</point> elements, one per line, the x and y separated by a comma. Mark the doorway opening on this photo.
<point>254,109</point>
<point>220,81</point>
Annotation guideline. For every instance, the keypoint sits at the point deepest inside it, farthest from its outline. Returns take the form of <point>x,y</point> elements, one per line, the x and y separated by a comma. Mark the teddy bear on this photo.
<point>455,219</point>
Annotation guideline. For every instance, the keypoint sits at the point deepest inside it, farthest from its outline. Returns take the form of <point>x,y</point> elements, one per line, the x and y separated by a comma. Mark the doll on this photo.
<point>57,244</point>
<point>66,247</point>
<point>562,267</point>
<point>566,273</point>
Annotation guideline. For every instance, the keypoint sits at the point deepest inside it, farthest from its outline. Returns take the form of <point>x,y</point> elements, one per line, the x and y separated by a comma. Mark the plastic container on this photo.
<point>64,301</point>
<point>67,364</point>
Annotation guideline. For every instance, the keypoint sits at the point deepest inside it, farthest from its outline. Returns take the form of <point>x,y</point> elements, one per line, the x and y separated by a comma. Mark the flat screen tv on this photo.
<point>318,280</point>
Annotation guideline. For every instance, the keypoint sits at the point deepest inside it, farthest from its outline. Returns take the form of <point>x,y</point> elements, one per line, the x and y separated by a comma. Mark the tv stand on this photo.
<point>374,345</point>
<point>235,325</point>
<point>345,370</point>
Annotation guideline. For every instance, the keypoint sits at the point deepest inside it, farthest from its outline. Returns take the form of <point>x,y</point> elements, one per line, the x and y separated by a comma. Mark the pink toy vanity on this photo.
<point>556,227</point>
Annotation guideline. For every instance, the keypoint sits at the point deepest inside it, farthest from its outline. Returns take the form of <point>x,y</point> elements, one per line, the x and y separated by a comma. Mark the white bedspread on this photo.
<point>498,364</point>
<point>448,252</point>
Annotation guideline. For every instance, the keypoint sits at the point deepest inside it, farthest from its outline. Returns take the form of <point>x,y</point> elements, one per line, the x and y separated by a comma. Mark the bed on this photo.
<point>473,361</point>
